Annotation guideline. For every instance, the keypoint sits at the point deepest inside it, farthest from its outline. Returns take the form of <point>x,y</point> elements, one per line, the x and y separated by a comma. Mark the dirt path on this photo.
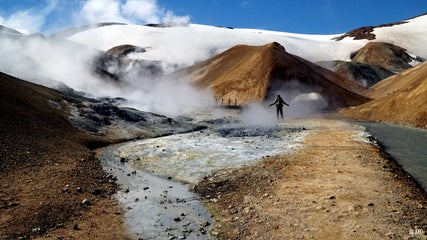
<point>337,187</point>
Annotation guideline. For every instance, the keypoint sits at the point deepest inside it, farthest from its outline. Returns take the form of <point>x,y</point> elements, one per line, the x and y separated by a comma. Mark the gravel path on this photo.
<point>337,187</point>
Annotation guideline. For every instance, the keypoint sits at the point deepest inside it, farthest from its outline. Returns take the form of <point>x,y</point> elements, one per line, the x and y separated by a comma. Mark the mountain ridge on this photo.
<point>257,73</point>
<point>400,99</point>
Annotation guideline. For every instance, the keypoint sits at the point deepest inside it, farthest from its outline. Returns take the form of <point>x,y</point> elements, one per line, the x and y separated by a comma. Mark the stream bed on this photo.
<point>408,146</point>
<point>156,175</point>
<point>156,207</point>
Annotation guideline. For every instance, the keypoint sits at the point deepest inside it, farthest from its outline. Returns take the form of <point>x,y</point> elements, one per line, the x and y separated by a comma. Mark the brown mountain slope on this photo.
<point>40,155</point>
<point>411,77</point>
<point>386,55</point>
<point>372,63</point>
<point>400,99</point>
<point>257,73</point>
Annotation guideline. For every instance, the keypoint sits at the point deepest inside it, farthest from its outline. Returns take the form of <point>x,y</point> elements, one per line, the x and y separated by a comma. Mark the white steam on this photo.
<point>166,96</point>
<point>257,114</point>
<point>48,61</point>
<point>307,104</point>
<point>302,99</point>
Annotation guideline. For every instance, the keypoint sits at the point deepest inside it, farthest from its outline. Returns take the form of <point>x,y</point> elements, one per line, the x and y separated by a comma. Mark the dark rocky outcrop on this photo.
<point>364,32</point>
<point>364,74</point>
<point>372,63</point>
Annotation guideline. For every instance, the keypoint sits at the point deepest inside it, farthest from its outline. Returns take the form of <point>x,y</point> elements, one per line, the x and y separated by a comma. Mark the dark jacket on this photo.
<point>279,102</point>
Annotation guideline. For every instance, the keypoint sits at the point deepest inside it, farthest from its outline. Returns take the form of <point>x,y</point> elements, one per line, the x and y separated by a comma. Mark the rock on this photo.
<point>202,230</point>
<point>332,197</point>
<point>76,227</point>
<point>96,192</point>
<point>79,190</point>
<point>86,202</point>
<point>12,204</point>
<point>204,224</point>
<point>177,219</point>
<point>246,210</point>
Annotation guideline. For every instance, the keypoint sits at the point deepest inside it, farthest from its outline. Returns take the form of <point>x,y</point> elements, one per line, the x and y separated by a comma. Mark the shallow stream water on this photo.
<point>156,207</point>
<point>408,146</point>
<point>155,174</point>
<point>191,156</point>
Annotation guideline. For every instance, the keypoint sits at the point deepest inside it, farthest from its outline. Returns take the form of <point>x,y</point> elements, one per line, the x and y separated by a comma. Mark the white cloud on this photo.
<point>171,19</point>
<point>77,13</point>
<point>95,11</point>
<point>128,11</point>
<point>29,20</point>
<point>23,21</point>
<point>147,10</point>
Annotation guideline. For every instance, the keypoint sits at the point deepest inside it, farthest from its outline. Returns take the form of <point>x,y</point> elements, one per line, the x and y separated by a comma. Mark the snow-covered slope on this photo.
<point>411,35</point>
<point>192,43</point>
<point>189,44</point>
<point>39,59</point>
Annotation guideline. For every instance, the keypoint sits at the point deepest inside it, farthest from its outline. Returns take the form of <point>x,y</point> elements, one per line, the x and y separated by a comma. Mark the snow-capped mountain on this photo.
<point>192,43</point>
<point>70,56</point>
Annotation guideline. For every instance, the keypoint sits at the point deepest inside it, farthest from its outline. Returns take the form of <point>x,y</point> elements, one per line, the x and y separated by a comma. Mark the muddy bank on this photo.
<point>339,186</point>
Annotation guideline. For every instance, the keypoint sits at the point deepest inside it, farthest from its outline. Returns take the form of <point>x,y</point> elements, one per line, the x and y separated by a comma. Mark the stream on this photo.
<point>408,146</point>
<point>156,207</point>
<point>156,174</point>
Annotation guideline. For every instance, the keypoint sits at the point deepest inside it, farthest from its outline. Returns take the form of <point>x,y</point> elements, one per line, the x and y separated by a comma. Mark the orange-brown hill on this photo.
<point>372,63</point>
<point>257,73</point>
<point>41,154</point>
<point>400,99</point>
<point>386,55</point>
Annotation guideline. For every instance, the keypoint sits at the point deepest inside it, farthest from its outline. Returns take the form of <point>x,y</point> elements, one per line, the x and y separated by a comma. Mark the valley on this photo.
<point>115,131</point>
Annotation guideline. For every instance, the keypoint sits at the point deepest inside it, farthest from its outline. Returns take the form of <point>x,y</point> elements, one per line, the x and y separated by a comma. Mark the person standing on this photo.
<point>279,102</point>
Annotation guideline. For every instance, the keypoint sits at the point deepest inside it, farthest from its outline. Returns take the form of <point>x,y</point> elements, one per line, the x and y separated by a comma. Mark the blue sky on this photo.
<point>297,16</point>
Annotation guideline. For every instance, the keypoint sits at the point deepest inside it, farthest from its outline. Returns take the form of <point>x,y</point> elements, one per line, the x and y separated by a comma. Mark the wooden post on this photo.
<point>222,102</point>
<point>235,102</point>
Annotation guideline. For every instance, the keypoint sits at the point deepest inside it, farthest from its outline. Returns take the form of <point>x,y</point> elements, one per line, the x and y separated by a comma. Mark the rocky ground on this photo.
<point>337,187</point>
<point>53,187</point>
